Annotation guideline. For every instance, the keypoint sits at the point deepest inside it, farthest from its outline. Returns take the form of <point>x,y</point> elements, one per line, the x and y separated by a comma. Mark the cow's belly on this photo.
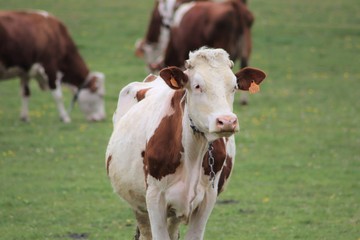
<point>129,184</point>
<point>125,169</point>
<point>126,174</point>
<point>36,71</point>
<point>8,73</point>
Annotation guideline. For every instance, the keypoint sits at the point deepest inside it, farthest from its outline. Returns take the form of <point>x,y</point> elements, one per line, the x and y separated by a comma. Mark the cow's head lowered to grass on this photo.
<point>210,87</point>
<point>91,98</point>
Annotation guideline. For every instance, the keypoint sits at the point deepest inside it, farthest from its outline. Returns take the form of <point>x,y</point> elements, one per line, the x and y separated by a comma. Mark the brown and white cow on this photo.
<point>172,148</point>
<point>176,28</point>
<point>34,44</point>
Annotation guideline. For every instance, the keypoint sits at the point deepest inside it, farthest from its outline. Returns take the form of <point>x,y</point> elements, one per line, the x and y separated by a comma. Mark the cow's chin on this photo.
<point>212,136</point>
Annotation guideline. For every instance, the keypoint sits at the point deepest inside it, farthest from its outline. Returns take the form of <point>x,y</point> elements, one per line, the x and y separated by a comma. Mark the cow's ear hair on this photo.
<point>174,77</point>
<point>248,77</point>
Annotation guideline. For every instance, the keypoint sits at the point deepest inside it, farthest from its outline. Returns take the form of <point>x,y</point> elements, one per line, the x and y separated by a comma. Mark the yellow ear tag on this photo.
<point>174,83</point>
<point>254,88</point>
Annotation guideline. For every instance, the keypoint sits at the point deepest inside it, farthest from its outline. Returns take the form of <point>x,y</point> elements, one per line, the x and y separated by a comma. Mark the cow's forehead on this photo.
<point>211,65</point>
<point>211,57</point>
<point>212,77</point>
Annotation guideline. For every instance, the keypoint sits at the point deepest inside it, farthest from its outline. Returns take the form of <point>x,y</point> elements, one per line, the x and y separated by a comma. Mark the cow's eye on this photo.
<point>198,88</point>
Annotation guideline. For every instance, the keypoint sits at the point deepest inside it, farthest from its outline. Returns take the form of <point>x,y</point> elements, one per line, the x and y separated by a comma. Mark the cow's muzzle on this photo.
<point>227,123</point>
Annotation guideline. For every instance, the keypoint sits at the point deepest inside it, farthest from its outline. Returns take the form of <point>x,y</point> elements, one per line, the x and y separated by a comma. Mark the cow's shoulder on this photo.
<point>164,148</point>
<point>135,92</point>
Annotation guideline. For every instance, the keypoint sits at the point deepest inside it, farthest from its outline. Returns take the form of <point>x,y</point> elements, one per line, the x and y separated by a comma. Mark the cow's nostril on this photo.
<point>226,123</point>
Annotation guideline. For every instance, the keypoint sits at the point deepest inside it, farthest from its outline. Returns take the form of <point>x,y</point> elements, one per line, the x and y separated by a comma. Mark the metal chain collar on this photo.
<point>211,164</point>
<point>210,149</point>
<point>193,127</point>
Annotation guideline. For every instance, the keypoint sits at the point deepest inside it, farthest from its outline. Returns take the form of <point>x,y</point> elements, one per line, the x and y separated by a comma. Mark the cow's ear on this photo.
<point>96,82</point>
<point>174,77</point>
<point>249,78</point>
<point>93,86</point>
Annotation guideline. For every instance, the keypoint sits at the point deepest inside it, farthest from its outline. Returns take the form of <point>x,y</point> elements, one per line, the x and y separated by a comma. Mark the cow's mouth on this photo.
<point>219,134</point>
<point>226,133</point>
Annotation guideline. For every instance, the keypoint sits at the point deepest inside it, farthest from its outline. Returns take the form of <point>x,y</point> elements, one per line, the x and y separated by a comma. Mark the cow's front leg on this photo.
<point>200,216</point>
<point>58,97</point>
<point>54,81</point>
<point>156,206</point>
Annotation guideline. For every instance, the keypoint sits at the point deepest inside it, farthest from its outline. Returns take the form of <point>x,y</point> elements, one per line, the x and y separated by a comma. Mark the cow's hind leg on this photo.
<point>173,228</point>
<point>137,234</point>
<point>244,95</point>
<point>143,230</point>
<point>25,95</point>
<point>245,47</point>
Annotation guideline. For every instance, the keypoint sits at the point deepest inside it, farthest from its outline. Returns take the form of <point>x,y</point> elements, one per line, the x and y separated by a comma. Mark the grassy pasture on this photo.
<point>297,172</point>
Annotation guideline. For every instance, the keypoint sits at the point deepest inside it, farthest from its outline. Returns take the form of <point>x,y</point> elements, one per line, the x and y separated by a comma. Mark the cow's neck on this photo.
<point>196,146</point>
<point>75,72</point>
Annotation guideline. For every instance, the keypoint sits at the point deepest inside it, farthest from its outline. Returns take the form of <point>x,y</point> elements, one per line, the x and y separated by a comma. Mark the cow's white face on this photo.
<point>153,53</point>
<point>210,87</point>
<point>91,100</point>
<point>210,97</point>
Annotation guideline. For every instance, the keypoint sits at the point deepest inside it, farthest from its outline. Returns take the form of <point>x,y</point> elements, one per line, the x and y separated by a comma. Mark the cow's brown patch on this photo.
<point>220,157</point>
<point>219,154</point>
<point>163,150</point>
<point>226,171</point>
<point>108,161</point>
<point>150,78</point>
<point>140,95</point>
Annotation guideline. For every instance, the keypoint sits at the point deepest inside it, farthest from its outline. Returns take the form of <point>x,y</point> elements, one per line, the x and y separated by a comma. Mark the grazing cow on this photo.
<point>172,148</point>
<point>173,34</point>
<point>37,45</point>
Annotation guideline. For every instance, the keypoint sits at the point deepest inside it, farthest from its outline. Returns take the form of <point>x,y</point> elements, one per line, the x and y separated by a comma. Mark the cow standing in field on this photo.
<point>37,45</point>
<point>176,28</point>
<point>172,148</point>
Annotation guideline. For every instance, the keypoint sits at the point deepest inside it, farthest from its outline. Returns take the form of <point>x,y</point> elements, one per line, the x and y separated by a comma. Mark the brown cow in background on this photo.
<point>34,44</point>
<point>179,26</point>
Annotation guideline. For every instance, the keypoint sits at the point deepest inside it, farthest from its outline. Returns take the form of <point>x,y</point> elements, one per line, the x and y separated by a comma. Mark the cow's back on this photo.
<point>29,37</point>
<point>213,22</point>
<point>38,37</point>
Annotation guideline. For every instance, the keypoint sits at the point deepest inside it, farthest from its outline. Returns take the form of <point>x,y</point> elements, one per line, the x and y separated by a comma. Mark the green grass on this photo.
<point>297,172</point>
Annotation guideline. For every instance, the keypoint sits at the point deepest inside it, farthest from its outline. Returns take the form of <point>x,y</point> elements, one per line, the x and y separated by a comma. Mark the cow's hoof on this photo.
<point>244,102</point>
<point>137,234</point>
<point>65,120</point>
<point>24,119</point>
